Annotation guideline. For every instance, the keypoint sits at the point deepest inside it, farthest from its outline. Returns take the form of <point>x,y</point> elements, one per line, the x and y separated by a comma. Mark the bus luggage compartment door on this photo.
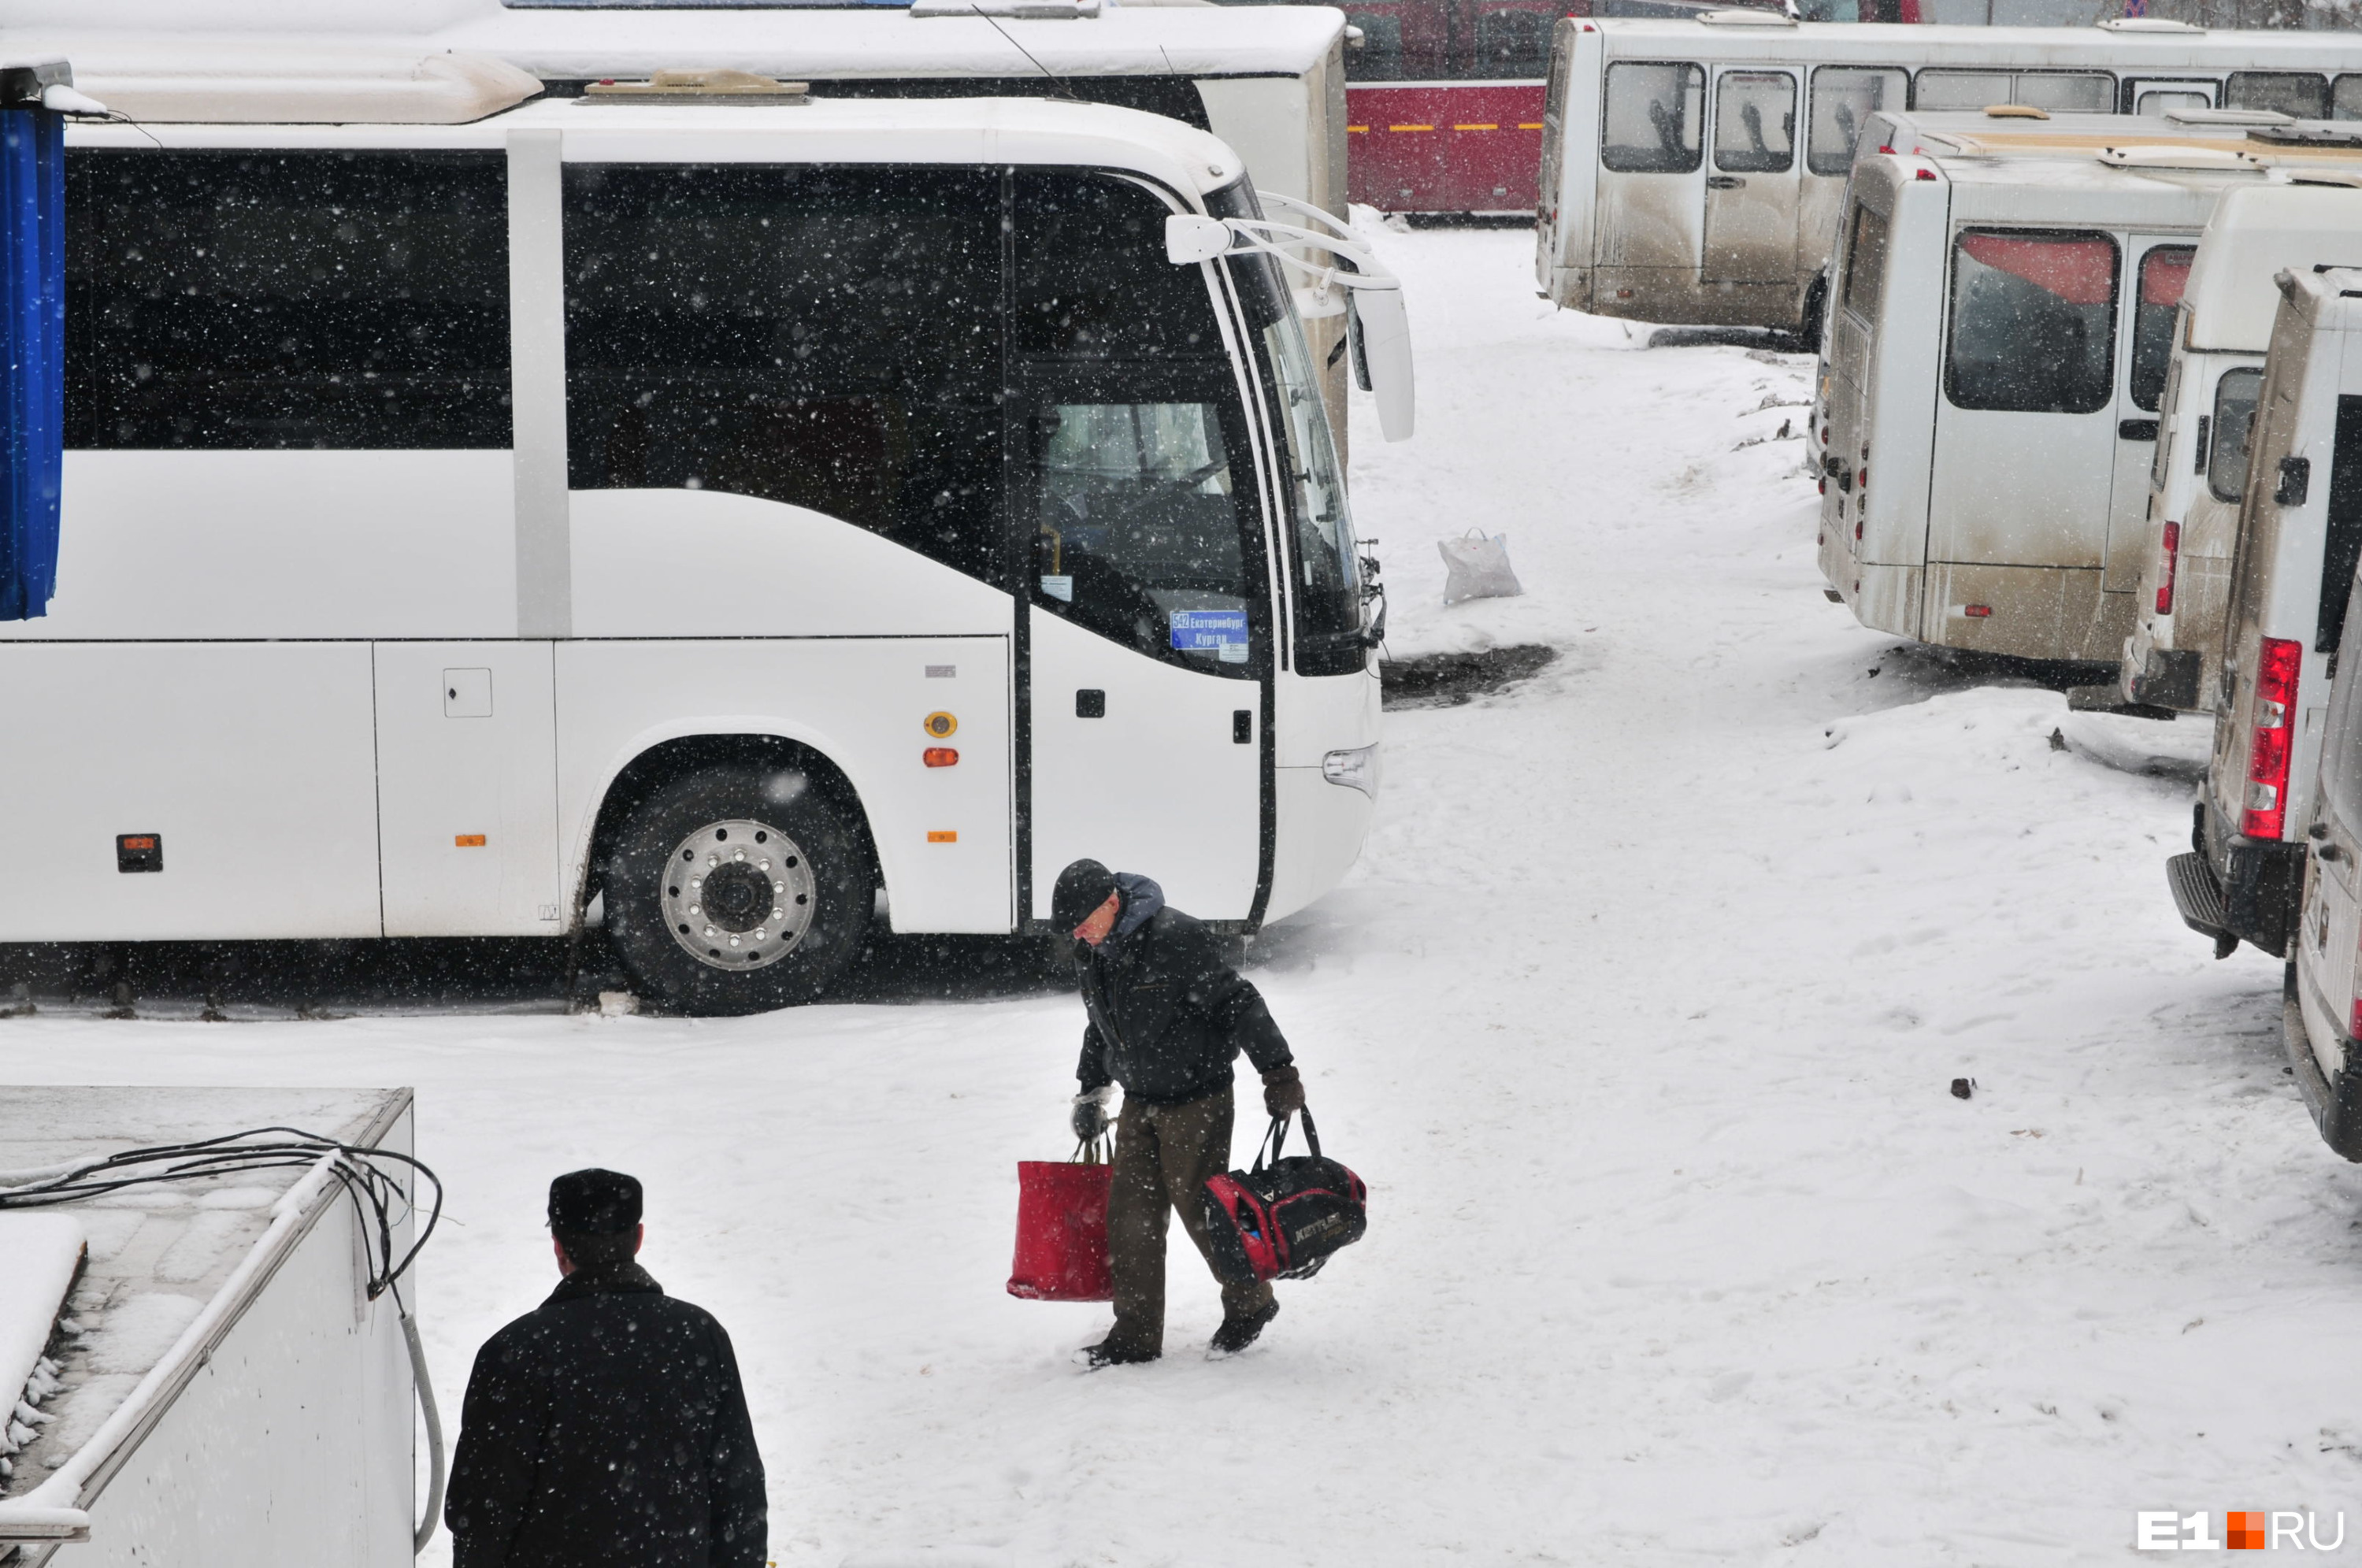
<point>1750,191</point>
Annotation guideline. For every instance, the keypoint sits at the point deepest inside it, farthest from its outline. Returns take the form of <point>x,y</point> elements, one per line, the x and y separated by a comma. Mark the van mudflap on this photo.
<point>2337,1108</point>
<point>2200,899</point>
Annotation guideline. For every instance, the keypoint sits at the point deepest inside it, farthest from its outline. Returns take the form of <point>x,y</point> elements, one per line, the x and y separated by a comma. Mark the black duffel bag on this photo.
<point>1284,1219</point>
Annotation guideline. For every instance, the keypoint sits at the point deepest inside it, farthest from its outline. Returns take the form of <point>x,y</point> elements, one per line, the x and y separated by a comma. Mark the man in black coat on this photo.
<point>607,1425</point>
<point>1167,1017</point>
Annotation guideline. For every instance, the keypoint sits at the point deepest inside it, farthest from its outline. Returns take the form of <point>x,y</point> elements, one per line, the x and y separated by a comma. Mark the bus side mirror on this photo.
<point>1189,238</point>
<point>1381,333</point>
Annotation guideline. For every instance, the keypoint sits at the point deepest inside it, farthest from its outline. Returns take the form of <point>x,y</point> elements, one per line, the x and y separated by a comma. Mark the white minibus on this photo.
<point>2321,1002</point>
<point>1997,357</point>
<point>1692,170</point>
<point>747,510</point>
<point>2299,534</point>
<point>2174,657</point>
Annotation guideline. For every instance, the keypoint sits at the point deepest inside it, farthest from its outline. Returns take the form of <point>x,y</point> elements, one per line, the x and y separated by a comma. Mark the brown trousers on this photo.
<point>1164,1153</point>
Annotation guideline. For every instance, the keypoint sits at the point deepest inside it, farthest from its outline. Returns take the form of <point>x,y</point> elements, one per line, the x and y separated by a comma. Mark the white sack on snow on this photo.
<point>1477,567</point>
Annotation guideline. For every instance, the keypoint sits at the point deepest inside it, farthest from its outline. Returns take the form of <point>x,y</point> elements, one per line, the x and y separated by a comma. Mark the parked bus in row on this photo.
<point>1692,171</point>
<point>745,510</point>
<point>1269,80</point>
<point>2174,657</point>
<point>1997,358</point>
<point>2299,536</point>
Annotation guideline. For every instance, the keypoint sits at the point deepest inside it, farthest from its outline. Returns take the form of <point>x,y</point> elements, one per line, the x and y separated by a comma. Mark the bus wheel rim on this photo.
<point>739,895</point>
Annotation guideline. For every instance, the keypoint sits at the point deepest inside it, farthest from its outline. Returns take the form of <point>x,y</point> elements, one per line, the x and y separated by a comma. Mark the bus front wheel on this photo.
<point>737,887</point>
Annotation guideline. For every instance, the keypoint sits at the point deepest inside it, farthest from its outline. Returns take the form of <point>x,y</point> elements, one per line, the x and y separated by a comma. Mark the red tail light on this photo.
<point>2169,556</point>
<point>2264,813</point>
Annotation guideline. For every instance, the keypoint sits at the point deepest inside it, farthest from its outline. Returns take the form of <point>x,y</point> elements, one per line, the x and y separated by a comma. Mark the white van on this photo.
<point>2321,1003</point>
<point>732,504</point>
<point>1997,357</point>
<point>2174,656</point>
<point>1693,170</point>
<point>2299,532</point>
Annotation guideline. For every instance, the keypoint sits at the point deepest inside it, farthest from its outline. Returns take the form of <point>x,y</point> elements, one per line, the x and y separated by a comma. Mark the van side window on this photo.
<point>1755,122</point>
<point>255,299</point>
<point>1865,262</point>
<point>2345,97</point>
<point>2343,547</point>
<point>2341,749</point>
<point>828,337</point>
<point>2085,92</point>
<point>2301,94</point>
<point>2034,321</point>
<point>1140,495</point>
<point>1652,116</point>
<point>2164,272</point>
<point>2235,396</point>
<point>1844,97</point>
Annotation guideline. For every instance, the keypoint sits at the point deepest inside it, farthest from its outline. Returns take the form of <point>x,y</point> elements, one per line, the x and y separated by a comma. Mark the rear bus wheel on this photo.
<point>737,889</point>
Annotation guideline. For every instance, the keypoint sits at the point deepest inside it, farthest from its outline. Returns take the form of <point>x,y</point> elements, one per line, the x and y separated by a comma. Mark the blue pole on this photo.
<point>32,349</point>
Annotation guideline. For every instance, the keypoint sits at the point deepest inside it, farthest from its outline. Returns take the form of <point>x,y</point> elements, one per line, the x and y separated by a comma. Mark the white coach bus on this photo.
<point>727,504</point>
<point>1692,170</point>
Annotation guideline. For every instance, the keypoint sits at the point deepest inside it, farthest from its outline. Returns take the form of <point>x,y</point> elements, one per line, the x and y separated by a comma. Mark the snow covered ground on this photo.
<point>1640,1016</point>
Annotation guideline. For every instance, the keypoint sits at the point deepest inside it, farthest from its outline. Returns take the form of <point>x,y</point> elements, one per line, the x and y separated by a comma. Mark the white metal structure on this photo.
<point>230,1392</point>
<point>1997,357</point>
<point>2174,656</point>
<point>1693,169</point>
<point>2299,534</point>
<point>2321,1006</point>
<point>733,510</point>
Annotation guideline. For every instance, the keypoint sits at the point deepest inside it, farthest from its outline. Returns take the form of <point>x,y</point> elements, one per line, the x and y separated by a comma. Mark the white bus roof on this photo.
<point>843,130</point>
<point>1912,44</point>
<point>1141,40</point>
<point>2257,231</point>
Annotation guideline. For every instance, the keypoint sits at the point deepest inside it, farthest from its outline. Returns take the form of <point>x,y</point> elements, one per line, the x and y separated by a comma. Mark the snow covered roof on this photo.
<point>168,1267</point>
<point>180,79</point>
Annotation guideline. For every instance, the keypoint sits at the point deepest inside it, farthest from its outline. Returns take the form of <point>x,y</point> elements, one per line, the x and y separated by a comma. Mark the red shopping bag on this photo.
<point>1062,1245</point>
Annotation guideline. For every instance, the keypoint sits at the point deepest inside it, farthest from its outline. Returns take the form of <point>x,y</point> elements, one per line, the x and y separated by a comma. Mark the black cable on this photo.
<point>373,1191</point>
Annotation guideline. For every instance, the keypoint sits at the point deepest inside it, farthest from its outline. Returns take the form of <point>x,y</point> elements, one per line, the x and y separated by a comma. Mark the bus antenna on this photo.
<point>1055,81</point>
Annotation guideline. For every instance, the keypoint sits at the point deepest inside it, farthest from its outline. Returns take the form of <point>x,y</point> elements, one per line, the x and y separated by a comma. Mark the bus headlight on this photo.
<point>1355,769</point>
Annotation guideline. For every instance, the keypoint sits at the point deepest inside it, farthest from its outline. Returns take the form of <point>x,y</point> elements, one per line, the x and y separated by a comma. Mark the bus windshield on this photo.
<point>1328,587</point>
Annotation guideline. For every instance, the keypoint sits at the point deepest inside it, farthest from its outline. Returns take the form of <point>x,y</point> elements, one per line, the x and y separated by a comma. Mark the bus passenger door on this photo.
<point>466,764</point>
<point>1149,641</point>
<point>1750,191</point>
<point>2160,266</point>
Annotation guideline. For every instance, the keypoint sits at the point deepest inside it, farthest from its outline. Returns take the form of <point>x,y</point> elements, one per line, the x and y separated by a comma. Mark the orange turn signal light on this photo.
<point>468,841</point>
<point>940,757</point>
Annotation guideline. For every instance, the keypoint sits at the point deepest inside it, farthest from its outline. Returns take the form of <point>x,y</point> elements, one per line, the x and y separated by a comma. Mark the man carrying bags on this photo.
<point>1167,1016</point>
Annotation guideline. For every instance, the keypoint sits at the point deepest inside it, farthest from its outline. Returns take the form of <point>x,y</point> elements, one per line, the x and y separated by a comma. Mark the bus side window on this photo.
<point>1511,43</point>
<point>2034,321</point>
<point>2066,92</point>
<point>1380,57</point>
<point>1755,122</point>
<point>1141,508</point>
<point>2346,103</point>
<point>2164,272</point>
<point>1960,88</point>
<point>258,299</point>
<point>1652,118</point>
<point>1844,97</point>
<point>826,338</point>
<point>2235,396</point>
<point>2303,94</point>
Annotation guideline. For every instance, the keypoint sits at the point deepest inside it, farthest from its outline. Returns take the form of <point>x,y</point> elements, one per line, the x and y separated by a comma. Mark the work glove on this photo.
<point>1283,1092</point>
<point>1090,1116</point>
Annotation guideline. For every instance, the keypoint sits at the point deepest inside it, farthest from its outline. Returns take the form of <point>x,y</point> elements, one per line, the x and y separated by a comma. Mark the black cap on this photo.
<point>594,1202</point>
<point>1081,888</point>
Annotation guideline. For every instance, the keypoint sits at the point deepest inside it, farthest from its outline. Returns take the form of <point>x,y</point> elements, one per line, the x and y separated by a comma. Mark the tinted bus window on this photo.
<point>254,300</point>
<point>1379,56</point>
<point>1141,506</point>
<point>1865,263</point>
<point>2234,422</point>
<point>1844,97</point>
<point>826,338</point>
<point>1652,118</point>
<point>2301,94</point>
<point>1755,122</point>
<point>1510,43</point>
<point>2033,322</point>
<point>2164,272</point>
<point>2342,546</point>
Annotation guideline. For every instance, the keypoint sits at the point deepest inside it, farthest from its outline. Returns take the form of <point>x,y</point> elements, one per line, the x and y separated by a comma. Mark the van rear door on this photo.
<point>1750,191</point>
<point>2160,266</point>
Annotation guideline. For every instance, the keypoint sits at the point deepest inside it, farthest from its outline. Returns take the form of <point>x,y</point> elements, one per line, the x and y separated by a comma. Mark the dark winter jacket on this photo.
<point>1169,1015</point>
<point>607,1427</point>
